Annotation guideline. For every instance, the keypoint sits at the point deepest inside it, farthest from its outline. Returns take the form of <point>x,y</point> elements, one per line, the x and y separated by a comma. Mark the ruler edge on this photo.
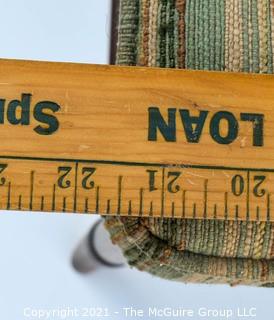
<point>90,68</point>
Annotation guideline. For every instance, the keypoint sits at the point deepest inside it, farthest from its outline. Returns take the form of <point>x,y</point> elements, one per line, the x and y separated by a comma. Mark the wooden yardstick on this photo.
<point>135,141</point>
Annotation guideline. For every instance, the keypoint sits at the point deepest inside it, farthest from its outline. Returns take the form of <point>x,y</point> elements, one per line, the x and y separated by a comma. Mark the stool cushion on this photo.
<point>224,35</point>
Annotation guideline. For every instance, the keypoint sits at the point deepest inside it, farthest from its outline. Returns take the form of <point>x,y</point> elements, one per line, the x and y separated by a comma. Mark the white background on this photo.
<point>35,269</point>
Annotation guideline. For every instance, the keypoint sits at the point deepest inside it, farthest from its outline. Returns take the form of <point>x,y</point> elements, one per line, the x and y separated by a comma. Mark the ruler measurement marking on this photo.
<point>163,200</point>
<point>129,208</point>
<point>205,198</point>
<point>151,209</point>
<point>75,187</point>
<point>184,204</point>
<point>120,178</point>
<point>215,211</point>
<point>257,213</point>
<point>236,212</point>
<point>20,202</point>
<point>8,198</point>
<point>226,206</point>
<point>86,205</point>
<point>173,209</point>
<point>97,199</point>
<point>53,197</point>
<point>42,203</point>
<point>141,196</point>
<point>31,189</point>
<point>194,210</point>
<point>247,195</point>
<point>160,141</point>
<point>163,193</point>
<point>108,207</point>
<point>268,206</point>
<point>64,204</point>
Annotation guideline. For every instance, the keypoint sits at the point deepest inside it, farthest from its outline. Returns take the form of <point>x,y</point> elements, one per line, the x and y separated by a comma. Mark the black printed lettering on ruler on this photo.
<point>258,189</point>
<point>87,182</point>
<point>63,181</point>
<point>3,166</point>
<point>237,187</point>
<point>171,186</point>
<point>152,174</point>
<point>258,126</point>
<point>18,112</point>
<point>193,125</point>
<point>215,127</point>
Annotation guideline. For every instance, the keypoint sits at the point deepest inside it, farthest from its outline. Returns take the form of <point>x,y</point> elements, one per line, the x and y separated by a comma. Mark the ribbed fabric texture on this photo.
<point>224,35</point>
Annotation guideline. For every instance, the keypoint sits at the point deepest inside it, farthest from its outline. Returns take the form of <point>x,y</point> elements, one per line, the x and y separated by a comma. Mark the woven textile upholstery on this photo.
<point>226,35</point>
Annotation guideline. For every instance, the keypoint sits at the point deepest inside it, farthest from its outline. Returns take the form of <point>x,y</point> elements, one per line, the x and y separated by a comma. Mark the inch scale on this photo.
<point>136,141</point>
<point>156,190</point>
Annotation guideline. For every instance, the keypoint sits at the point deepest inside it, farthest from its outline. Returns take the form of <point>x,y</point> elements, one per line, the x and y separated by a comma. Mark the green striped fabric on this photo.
<point>224,35</point>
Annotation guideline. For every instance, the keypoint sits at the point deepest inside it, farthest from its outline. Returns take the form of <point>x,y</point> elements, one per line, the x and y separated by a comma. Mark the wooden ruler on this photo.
<point>136,141</point>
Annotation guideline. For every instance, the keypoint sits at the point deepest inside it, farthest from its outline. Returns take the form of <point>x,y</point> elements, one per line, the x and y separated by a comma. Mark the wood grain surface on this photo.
<point>136,141</point>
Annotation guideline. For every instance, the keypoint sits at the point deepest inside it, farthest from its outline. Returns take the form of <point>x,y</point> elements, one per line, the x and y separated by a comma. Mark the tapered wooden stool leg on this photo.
<point>96,250</point>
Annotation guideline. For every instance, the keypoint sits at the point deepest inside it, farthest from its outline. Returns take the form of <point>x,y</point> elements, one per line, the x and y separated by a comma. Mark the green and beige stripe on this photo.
<point>228,35</point>
<point>224,35</point>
